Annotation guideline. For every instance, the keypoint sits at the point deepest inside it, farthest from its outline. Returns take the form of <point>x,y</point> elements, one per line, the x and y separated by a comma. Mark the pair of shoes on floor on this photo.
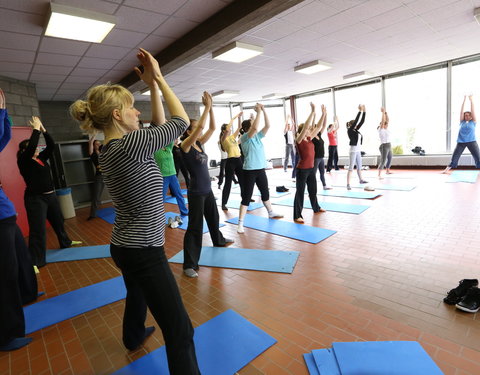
<point>465,297</point>
<point>174,222</point>
<point>190,272</point>
<point>281,189</point>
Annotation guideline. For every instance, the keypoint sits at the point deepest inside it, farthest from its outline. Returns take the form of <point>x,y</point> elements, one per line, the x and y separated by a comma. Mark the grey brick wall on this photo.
<point>21,99</point>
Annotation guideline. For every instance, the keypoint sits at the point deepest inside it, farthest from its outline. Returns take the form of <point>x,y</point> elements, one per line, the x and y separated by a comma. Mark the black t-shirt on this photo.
<point>94,159</point>
<point>319,147</point>
<point>197,165</point>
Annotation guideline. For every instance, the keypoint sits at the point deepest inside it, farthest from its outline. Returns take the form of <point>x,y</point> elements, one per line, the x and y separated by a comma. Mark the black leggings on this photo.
<point>232,168</point>
<point>250,178</point>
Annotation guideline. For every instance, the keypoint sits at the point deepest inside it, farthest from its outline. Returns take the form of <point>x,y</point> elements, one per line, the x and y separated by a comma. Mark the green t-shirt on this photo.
<point>164,159</point>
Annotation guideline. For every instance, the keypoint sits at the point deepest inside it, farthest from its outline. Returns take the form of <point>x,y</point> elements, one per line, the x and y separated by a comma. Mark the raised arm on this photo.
<point>5,126</point>
<point>197,131</point>
<point>384,121</point>
<point>254,123</point>
<point>158,113</point>
<point>91,141</point>
<point>300,137</point>
<point>472,110</point>
<point>362,120</point>
<point>33,141</point>
<point>239,125</point>
<point>267,121</point>
<point>211,126</point>
<point>287,124</point>
<point>322,123</point>
<point>462,116</point>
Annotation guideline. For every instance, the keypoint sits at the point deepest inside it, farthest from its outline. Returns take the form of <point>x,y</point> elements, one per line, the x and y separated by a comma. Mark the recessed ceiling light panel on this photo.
<point>237,52</point>
<point>224,94</point>
<point>313,67</point>
<point>358,76</point>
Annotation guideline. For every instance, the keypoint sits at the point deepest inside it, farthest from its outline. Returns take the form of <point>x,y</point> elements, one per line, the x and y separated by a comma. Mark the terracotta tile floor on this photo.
<point>382,276</point>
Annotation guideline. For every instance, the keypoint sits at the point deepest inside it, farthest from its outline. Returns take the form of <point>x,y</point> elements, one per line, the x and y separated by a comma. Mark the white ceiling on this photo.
<point>379,36</point>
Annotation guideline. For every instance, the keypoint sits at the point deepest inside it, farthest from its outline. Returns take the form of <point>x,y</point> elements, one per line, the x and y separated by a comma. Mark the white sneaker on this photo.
<point>240,229</point>
<point>190,272</point>
<point>273,215</point>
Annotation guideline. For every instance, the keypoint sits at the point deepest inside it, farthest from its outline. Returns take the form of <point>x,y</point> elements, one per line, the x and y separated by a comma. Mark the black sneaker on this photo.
<point>456,295</point>
<point>471,302</point>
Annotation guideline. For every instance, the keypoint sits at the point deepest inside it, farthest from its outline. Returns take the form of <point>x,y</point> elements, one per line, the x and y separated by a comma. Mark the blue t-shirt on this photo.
<point>253,151</point>
<point>466,133</point>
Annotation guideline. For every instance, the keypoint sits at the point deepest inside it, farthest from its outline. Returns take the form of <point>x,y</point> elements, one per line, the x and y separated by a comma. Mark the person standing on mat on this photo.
<point>201,200</point>
<point>305,167</point>
<point>319,145</point>
<point>254,165</point>
<point>332,145</point>
<point>466,136</point>
<point>94,148</point>
<point>356,140</point>
<point>136,187</point>
<point>41,202</point>
<point>289,134</point>
<point>164,160</point>
<point>385,145</point>
<point>229,142</point>
<point>18,283</point>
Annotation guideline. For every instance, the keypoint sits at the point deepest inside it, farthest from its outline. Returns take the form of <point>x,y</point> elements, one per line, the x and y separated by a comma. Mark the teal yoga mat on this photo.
<point>185,221</point>
<point>349,194</point>
<point>463,176</point>
<point>284,228</point>
<point>78,253</point>
<point>329,206</point>
<point>232,203</point>
<point>65,306</point>
<point>246,259</point>
<point>173,200</point>
<point>402,187</point>
<point>223,345</point>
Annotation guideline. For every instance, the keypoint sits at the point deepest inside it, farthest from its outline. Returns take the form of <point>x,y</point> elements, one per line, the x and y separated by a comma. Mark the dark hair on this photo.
<point>350,123</point>
<point>246,124</point>
<point>185,133</point>
<point>22,146</point>
<point>222,129</point>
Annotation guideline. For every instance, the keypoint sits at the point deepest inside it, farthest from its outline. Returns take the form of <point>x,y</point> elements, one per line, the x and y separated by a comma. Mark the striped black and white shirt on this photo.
<point>135,183</point>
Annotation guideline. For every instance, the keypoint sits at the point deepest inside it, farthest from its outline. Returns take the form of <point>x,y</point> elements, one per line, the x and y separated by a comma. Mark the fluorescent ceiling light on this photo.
<point>476,14</point>
<point>312,67</point>
<point>147,92</point>
<point>237,52</point>
<point>224,94</point>
<point>273,96</point>
<point>357,76</point>
<point>78,24</point>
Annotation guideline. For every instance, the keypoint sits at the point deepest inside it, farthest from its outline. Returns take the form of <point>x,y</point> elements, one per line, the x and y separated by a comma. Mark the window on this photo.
<point>303,107</point>
<point>417,107</point>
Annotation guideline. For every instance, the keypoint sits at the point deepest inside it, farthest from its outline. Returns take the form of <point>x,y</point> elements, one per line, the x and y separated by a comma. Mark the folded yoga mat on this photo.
<point>78,253</point>
<point>403,187</point>
<point>311,365</point>
<point>185,221</point>
<point>349,194</point>
<point>329,206</point>
<point>246,259</point>
<point>382,357</point>
<point>232,203</point>
<point>107,214</point>
<point>223,345</point>
<point>326,362</point>
<point>65,306</point>
<point>285,228</point>
<point>463,176</point>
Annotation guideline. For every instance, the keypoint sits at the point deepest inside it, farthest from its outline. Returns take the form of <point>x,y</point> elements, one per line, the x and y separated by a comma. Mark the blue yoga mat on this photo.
<point>232,203</point>
<point>463,176</point>
<point>78,253</point>
<point>246,259</point>
<point>349,194</point>
<point>310,362</point>
<point>185,221</point>
<point>223,345</point>
<point>403,187</point>
<point>329,206</point>
<point>285,228</point>
<point>173,200</point>
<point>326,362</point>
<point>107,214</point>
<point>384,357</point>
<point>184,192</point>
<point>65,306</point>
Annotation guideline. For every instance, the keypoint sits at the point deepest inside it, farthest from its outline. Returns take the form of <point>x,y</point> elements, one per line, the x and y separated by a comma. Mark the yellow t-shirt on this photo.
<point>230,145</point>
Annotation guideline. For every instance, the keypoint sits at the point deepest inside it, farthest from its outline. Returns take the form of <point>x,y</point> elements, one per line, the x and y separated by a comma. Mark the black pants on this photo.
<point>332,158</point>
<point>97,191</point>
<point>250,178</point>
<point>12,321</point>
<point>233,167</point>
<point>222,172</point>
<point>200,206</point>
<point>41,207</point>
<point>150,283</point>
<point>305,176</point>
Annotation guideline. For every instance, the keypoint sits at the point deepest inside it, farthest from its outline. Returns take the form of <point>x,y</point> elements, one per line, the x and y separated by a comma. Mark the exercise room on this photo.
<point>248,187</point>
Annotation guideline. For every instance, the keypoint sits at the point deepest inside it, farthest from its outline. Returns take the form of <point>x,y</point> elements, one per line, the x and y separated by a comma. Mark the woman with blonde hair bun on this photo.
<point>136,187</point>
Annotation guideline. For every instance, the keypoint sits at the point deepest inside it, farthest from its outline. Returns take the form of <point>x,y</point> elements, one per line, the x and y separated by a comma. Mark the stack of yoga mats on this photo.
<point>371,358</point>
